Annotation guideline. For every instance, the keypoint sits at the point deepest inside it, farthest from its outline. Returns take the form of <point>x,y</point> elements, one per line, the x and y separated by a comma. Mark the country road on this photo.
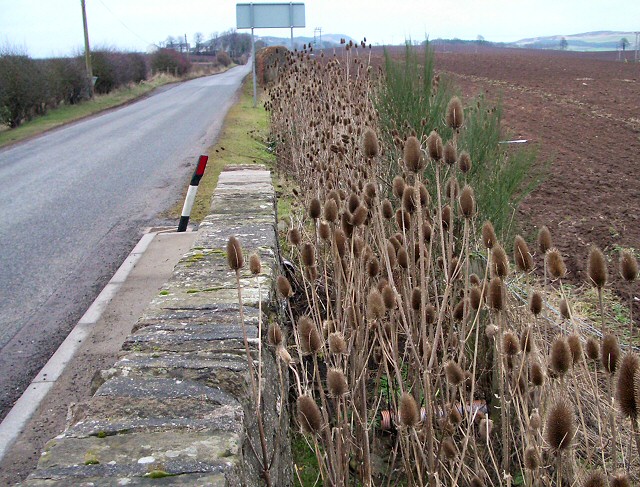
<point>74,202</point>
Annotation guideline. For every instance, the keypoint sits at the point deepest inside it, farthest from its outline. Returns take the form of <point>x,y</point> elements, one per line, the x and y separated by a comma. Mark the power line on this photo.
<point>124,25</point>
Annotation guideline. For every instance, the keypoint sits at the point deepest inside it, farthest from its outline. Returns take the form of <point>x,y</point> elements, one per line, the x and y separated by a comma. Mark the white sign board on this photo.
<point>269,15</point>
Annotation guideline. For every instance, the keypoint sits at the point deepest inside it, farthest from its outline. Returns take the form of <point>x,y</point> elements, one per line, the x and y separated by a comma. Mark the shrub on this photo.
<point>66,79</point>
<point>223,58</point>
<point>168,60</point>
<point>21,89</point>
<point>104,67</point>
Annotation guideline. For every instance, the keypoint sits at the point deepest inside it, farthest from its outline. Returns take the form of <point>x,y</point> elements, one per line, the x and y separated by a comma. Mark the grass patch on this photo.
<point>305,463</point>
<point>243,140</point>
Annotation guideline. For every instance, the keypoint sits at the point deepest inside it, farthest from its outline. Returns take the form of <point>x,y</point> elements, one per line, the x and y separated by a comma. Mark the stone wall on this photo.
<point>176,408</point>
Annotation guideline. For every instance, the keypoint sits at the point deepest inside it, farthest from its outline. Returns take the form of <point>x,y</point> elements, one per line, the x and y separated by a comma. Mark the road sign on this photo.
<point>269,15</point>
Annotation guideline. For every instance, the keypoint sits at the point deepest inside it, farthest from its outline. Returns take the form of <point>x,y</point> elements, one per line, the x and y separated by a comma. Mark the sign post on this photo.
<point>268,16</point>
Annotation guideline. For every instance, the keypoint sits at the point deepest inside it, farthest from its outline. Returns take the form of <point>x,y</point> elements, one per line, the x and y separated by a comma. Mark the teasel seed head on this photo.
<point>475,298</point>
<point>593,349</point>
<point>510,344</point>
<point>387,209</point>
<point>488,235</point>
<point>234,254</point>
<point>620,479</point>
<point>375,305</point>
<point>412,155</point>
<point>336,382</point>
<point>564,309</point>
<point>450,154</point>
<point>625,387</point>
<point>330,210</point>
<point>535,303</point>
<point>340,240</point>
<point>284,355</point>
<point>535,422</point>
<point>274,334</point>
<point>254,264</point>
<point>310,340</point>
<point>429,314</point>
<point>499,261</point>
<point>309,415</point>
<point>449,448</point>
<point>373,267</point>
<point>521,255</point>
<point>337,343</point>
<point>315,208</point>
<point>610,353</point>
<point>474,280</point>
<point>389,297</point>
<point>398,186</point>
<point>294,236</point>
<point>460,310</point>
<point>527,340</point>
<point>308,254</point>
<point>467,202</point>
<point>464,162</point>
<point>454,373</point>
<point>560,426</point>
<point>416,299</point>
<point>454,416</point>
<point>360,216</point>
<point>452,188</point>
<point>575,346</point>
<point>537,374</point>
<point>409,199</point>
<point>370,190</point>
<point>409,414</point>
<point>597,268</point>
<point>628,266</point>
<point>434,144</point>
<point>476,482</point>
<point>370,143</point>
<point>555,264</point>
<point>496,294</point>
<point>284,287</point>
<point>455,113</point>
<point>324,230</point>
<point>560,357</point>
<point>491,331</point>
<point>544,240</point>
<point>531,458</point>
<point>595,479</point>
<point>425,199</point>
<point>446,217</point>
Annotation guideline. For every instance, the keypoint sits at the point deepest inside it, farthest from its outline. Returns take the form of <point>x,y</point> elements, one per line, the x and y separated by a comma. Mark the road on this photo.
<point>74,201</point>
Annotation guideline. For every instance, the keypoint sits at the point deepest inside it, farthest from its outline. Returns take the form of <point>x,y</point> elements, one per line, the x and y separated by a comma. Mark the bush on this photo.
<point>223,58</point>
<point>21,89</point>
<point>115,69</point>
<point>66,79</point>
<point>170,61</point>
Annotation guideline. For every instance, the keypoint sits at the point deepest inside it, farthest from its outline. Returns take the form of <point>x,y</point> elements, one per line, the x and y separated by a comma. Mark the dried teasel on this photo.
<point>340,240</point>
<point>535,303</point>
<point>620,479</point>
<point>409,199</point>
<point>521,255</point>
<point>455,113</point>
<point>234,254</point>
<point>412,155</point>
<point>510,344</point>
<point>434,146</point>
<point>526,340</point>
<point>575,346</point>
<point>370,144</point>
<point>476,482</point>
<point>597,267</point>
<point>496,294</point>
<point>464,162</point>
<point>560,426</point>
<point>284,287</point>
<point>398,186</point>
<point>409,415</point>
<point>491,331</point>
<point>467,202</point>
<point>628,266</point>
<point>537,374</point>
<point>375,305</point>
<point>294,236</point>
<point>449,448</point>
<point>309,415</point>
<point>592,349</point>
<point>485,428</point>
<point>625,387</point>
<point>446,217</point>
<point>387,209</point>
<point>337,343</point>
<point>475,297</point>
<point>564,309</point>
<point>255,266</point>
<point>416,299</point>
<point>555,264</point>
<point>560,358</point>
<point>373,267</point>
<point>336,382</point>
<point>499,261</point>
<point>595,479</point>
<point>308,254</point>
<point>488,235</point>
<point>274,334</point>
<point>454,373</point>
<point>544,240</point>
<point>324,230</point>
<point>389,297</point>
<point>610,353</point>
<point>450,154</point>
<point>460,310</point>
<point>315,208</point>
<point>310,340</point>
<point>531,458</point>
<point>330,210</point>
<point>535,422</point>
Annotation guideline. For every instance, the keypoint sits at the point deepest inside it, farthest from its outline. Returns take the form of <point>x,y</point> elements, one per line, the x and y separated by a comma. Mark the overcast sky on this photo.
<point>46,28</point>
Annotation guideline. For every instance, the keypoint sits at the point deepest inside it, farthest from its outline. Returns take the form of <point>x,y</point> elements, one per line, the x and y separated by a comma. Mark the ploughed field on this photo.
<point>583,110</point>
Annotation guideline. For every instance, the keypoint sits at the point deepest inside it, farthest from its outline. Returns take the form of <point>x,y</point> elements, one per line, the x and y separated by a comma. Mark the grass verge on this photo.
<point>242,140</point>
<point>71,113</point>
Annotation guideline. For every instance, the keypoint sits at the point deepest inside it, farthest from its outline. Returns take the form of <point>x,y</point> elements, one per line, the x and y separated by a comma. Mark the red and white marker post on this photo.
<point>191,194</point>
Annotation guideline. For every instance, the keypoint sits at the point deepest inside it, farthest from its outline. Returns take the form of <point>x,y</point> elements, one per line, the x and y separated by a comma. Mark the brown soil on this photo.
<point>583,111</point>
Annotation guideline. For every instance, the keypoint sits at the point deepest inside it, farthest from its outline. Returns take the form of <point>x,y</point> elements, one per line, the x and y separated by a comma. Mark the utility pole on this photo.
<point>87,50</point>
<point>637,53</point>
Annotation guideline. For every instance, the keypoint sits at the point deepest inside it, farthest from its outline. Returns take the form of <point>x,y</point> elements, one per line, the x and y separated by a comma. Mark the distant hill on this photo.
<point>328,41</point>
<point>604,40</point>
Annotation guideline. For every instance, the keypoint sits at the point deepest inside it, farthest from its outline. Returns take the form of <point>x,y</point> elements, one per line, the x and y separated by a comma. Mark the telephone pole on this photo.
<point>87,50</point>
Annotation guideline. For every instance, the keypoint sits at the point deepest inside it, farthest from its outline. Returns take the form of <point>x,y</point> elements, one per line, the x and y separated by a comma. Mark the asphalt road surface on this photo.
<point>74,202</point>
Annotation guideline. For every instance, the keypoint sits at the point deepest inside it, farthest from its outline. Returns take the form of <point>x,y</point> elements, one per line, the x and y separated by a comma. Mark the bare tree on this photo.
<point>198,40</point>
<point>624,43</point>
<point>564,45</point>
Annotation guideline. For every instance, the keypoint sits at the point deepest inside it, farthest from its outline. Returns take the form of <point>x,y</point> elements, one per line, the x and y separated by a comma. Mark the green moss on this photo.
<point>159,474</point>
<point>90,458</point>
<point>164,292</point>
<point>193,291</point>
<point>101,434</point>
